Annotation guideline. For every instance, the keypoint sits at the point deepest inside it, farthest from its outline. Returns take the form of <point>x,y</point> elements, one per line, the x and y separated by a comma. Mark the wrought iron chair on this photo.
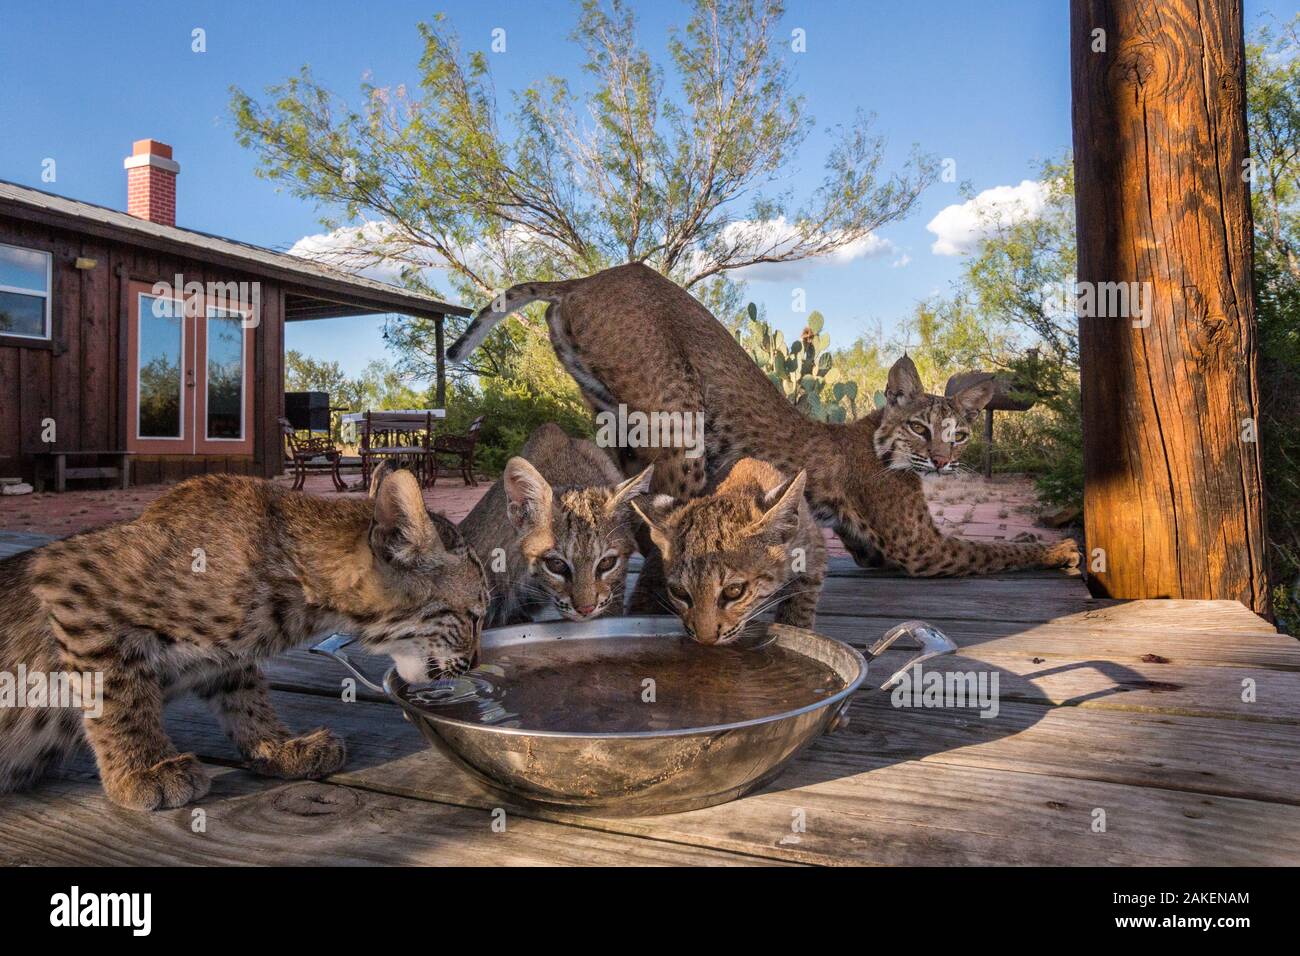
<point>312,453</point>
<point>461,447</point>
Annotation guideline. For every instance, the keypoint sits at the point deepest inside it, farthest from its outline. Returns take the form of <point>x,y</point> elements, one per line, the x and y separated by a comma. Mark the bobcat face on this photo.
<point>726,556</point>
<point>422,594</point>
<point>577,541</point>
<point>925,433</point>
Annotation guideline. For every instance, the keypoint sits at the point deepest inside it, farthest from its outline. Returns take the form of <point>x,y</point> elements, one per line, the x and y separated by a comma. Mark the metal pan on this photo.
<point>641,772</point>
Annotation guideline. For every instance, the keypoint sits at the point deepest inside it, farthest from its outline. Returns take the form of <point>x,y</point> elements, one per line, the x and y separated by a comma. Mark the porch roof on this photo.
<point>316,290</point>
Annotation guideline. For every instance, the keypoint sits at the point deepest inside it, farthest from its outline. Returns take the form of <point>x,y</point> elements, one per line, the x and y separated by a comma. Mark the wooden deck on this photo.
<point>1132,709</point>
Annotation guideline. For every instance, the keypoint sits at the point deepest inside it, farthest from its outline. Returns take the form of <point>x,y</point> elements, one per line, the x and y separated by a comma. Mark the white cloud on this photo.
<point>901,262</point>
<point>372,250</point>
<point>961,227</point>
<point>777,236</point>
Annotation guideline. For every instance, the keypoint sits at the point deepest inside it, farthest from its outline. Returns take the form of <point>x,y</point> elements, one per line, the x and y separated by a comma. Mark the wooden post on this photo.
<point>1173,493</point>
<point>441,361</point>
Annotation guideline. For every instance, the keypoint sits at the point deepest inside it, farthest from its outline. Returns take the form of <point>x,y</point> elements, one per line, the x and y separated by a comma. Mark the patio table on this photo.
<point>392,424</point>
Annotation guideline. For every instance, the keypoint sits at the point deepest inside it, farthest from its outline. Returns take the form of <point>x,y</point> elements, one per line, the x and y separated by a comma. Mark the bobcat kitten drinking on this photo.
<point>216,574</point>
<point>724,559</point>
<point>556,529</point>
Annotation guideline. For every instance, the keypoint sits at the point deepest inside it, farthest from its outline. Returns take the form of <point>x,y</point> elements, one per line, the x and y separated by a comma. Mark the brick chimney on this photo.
<point>151,182</point>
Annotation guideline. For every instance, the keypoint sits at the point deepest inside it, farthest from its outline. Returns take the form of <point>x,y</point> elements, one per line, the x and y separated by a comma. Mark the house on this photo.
<point>120,331</point>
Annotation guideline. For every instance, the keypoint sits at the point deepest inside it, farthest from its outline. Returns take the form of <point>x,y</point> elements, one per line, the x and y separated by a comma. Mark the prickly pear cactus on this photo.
<point>803,370</point>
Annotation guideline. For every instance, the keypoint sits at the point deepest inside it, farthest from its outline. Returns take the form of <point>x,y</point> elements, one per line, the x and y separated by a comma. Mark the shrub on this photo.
<point>511,410</point>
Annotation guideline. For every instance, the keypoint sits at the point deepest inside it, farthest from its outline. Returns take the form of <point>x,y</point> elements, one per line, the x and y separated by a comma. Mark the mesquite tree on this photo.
<point>683,165</point>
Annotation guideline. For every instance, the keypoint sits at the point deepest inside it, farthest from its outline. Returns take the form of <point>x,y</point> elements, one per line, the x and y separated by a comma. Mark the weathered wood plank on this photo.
<point>841,567</point>
<point>1028,599</point>
<point>857,809</point>
<point>253,821</point>
<point>1229,758</point>
<point>1074,641</point>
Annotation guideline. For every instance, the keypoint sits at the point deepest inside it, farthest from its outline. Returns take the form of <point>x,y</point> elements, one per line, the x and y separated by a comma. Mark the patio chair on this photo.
<point>312,453</point>
<point>461,447</point>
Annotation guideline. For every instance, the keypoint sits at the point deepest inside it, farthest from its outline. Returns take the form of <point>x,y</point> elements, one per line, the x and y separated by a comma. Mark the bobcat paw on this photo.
<point>310,756</point>
<point>169,783</point>
<point>1063,554</point>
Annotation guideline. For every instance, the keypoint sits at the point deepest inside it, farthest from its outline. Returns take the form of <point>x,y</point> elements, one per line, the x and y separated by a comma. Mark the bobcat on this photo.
<point>724,559</point>
<point>560,516</point>
<point>217,573</point>
<point>628,335</point>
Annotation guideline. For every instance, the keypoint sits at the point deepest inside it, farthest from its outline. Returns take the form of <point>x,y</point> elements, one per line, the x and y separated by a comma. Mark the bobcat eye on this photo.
<point>962,437</point>
<point>733,592</point>
<point>680,594</point>
<point>557,567</point>
<point>919,430</point>
<point>607,564</point>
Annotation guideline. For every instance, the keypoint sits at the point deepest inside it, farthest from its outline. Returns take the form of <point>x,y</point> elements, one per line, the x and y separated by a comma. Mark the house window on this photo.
<point>25,292</point>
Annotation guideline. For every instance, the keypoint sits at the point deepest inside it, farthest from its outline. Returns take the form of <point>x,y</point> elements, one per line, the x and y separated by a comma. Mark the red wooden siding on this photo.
<point>81,382</point>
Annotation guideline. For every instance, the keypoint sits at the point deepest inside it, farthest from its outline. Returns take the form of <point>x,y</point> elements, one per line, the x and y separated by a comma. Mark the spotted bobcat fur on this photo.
<point>630,336</point>
<point>556,529</point>
<point>726,558</point>
<point>215,575</point>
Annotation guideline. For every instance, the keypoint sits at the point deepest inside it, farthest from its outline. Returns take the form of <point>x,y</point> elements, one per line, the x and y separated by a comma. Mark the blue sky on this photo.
<point>985,83</point>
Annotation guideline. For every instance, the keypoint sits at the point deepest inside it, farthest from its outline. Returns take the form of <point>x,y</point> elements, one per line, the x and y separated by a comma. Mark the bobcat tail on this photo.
<point>512,300</point>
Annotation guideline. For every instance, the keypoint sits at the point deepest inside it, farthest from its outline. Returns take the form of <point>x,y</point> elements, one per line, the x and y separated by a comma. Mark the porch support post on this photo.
<point>440,344</point>
<point>1173,491</point>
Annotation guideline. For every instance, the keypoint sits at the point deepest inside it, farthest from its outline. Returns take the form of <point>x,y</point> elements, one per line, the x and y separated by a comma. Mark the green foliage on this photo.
<point>680,162</point>
<point>1046,441</point>
<point>538,391</point>
<point>1277,299</point>
<point>803,370</point>
<point>1273,114</point>
<point>1022,275</point>
<point>511,410</point>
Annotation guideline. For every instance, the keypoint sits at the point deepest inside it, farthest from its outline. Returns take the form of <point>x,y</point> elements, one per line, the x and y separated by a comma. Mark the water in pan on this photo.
<point>629,685</point>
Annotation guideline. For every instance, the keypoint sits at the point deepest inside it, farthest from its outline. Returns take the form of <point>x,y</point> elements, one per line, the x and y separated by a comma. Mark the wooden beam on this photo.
<point>1173,491</point>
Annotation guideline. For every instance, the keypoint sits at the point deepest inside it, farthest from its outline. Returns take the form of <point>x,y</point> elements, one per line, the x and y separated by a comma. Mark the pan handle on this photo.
<point>333,646</point>
<point>934,643</point>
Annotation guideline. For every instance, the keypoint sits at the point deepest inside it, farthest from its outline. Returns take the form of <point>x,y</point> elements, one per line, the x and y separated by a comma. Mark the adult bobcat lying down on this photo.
<point>630,336</point>
<point>217,573</point>
<point>561,513</point>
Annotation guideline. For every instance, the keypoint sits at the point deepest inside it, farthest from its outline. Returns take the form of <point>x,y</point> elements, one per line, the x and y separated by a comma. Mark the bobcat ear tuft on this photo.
<point>904,383</point>
<point>627,490</point>
<point>528,497</point>
<point>402,531</point>
<point>780,523</point>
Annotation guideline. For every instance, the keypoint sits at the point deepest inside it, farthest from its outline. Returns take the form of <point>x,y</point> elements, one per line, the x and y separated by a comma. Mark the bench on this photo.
<point>55,464</point>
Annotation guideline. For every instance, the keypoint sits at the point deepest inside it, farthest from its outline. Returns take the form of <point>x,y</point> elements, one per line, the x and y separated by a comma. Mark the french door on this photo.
<point>190,376</point>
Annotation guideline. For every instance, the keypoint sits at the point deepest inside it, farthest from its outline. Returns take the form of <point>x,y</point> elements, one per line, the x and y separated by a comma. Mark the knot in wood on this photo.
<point>316,800</point>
